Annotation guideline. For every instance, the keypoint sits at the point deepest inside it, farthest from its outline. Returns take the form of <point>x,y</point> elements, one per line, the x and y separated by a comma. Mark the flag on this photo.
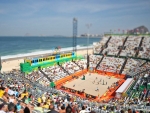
<point>118,29</point>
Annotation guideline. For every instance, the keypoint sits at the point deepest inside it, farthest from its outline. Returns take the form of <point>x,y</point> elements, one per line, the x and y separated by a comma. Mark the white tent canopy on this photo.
<point>125,85</point>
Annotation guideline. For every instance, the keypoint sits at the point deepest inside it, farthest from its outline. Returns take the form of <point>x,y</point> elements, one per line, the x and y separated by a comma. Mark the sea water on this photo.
<point>18,46</point>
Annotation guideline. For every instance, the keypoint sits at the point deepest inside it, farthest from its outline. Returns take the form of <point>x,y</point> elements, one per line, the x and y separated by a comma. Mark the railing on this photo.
<point>122,46</point>
<point>140,72</point>
<point>105,46</point>
<point>99,62</point>
<point>139,46</point>
<point>77,65</point>
<point>63,69</point>
<point>45,75</point>
<point>123,66</point>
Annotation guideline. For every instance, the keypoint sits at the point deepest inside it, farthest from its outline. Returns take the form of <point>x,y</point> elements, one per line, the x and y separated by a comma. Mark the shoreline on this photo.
<point>35,54</point>
<point>14,63</point>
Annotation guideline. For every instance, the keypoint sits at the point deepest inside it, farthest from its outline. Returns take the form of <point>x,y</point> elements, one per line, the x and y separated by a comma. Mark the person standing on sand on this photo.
<point>97,83</point>
<point>100,80</point>
<point>74,85</point>
<point>93,82</point>
<point>97,89</point>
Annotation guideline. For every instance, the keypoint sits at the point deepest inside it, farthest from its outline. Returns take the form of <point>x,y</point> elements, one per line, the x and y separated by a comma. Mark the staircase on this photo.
<point>143,63</point>
<point>39,79</point>
<point>63,69</point>
<point>99,62</point>
<point>45,75</point>
<point>139,47</point>
<point>105,46</point>
<point>77,65</point>
<point>123,66</point>
<point>122,46</point>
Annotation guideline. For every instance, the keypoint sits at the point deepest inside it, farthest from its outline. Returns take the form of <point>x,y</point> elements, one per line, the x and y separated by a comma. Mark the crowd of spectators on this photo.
<point>26,94</point>
<point>72,67</point>
<point>129,49</point>
<point>146,48</point>
<point>21,95</point>
<point>130,45</point>
<point>31,93</point>
<point>93,60</point>
<point>132,66</point>
<point>56,72</point>
<point>98,46</point>
<point>111,64</point>
<point>113,45</point>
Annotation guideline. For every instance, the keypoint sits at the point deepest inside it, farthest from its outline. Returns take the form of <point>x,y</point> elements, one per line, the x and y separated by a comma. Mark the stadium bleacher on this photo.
<point>33,93</point>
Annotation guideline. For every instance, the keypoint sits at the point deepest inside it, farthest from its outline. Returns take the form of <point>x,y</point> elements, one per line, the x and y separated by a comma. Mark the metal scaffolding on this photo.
<point>75,22</point>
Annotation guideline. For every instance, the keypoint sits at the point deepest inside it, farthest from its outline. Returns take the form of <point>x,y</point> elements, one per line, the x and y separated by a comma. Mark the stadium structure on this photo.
<point>119,68</point>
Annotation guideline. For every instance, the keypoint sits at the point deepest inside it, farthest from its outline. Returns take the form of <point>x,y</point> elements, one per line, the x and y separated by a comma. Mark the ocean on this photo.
<point>21,45</point>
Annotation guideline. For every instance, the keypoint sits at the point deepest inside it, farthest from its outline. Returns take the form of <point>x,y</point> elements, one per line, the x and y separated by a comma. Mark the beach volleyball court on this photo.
<point>90,86</point>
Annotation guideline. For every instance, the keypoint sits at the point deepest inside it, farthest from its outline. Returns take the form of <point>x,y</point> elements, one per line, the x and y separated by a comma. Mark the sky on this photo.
<point>55,17</point>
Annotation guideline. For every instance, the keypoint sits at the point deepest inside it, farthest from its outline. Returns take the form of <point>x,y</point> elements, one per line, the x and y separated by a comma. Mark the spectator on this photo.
<point>129,111</point>
<point>26,110</point>
<point>83,110</point>
<point>52,109</point>
<point>68,109</point>
<point>39,108</point>
<point>122,111</point>
<point>3,108</point>
<point>5,97</point>
<point>12,108</point>
<point>62,110</point>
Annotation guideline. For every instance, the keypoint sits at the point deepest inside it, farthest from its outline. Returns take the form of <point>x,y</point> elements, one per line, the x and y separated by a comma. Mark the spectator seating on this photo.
<point>111,64</point>
<point>93,60</point>
<point>146,48</point>
<point>131,43</point>
<point>132,66</point>
<point>97,47</point>
<point>113,45</point>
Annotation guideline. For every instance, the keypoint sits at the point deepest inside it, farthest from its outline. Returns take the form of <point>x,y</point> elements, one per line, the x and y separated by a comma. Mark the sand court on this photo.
<point>91,83</point>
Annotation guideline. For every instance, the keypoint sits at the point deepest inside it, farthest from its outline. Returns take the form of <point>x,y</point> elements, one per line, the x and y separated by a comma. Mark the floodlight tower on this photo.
<point>75,22</point>
<point>88,35</point>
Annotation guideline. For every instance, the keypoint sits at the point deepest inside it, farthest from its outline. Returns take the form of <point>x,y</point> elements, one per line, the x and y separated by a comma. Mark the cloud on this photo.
<point>40,16</point>
<point>76,6</point>
<point>94,7</point>
<point>29,8</point>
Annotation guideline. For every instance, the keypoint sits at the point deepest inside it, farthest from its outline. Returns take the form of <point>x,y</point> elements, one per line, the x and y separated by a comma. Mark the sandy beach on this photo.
<point>14,63</point>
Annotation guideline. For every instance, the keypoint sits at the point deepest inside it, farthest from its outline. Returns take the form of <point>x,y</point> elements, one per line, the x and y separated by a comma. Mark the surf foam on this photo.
<point>43,52</point>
